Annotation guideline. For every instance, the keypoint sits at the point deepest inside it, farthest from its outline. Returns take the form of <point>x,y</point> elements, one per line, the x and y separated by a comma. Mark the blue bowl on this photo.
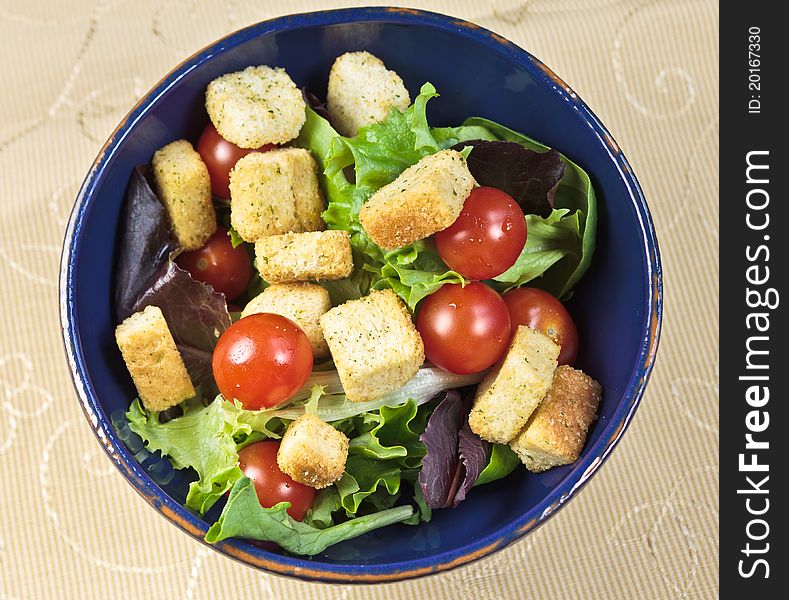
<point>617,306</point>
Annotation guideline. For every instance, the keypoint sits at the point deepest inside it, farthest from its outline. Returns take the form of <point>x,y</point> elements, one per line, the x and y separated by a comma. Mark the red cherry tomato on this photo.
<point>487,237</point>
<point>258,461</point>
<point>220,156</point>
<point>541,311</point>
<point>226,269</point>
<point>262,360</point>
<point>465,329</point>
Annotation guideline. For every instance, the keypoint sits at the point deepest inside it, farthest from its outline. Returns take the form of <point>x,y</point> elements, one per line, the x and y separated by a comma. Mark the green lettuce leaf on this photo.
<point>362,478</point>
<point>576,193</point>
<point>350,288</point>
<point>395,436</point>
<point>244,517</point>
<point>326,502</point>
<point>235,238</point>
<point>501,462</point>
<point>449,136</point>
<point>203,438</point>
<point>414,271</point>
<point>423,512</point>
<point>378,154</point>
<point>381,151</point>
<point>548,241</point>
<point>207,439</point>
<point>384,450</point>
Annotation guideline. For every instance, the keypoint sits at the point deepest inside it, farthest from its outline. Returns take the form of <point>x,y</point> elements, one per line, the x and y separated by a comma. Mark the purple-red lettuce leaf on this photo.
<point>195,314</point>
<point>455,454</point>
<point>198,365</point>
<point>529,177</point>
<point>440,464</point>
<point>315,104</point>
<point>145,242</point>
<point>473,452</point>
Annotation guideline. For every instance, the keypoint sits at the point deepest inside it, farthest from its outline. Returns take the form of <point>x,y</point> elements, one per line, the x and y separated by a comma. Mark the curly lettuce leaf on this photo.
<point>203,439</point>
<point>362,479</point>
<point>381,151</point>
<point>207,439</point>
<point>244,517</point>
<point>394,436</point>
<point>343,198</point>
<point>235,238</point>
<point>548,242</point>
<point>423,512</point>
<point>377,154</point>
<point>383,450</point>
<point>414,271</point>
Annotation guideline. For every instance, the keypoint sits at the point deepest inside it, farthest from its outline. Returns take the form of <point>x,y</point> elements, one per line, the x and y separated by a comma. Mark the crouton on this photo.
<point>256,106</point>
<point>275,192</point>
<point>313,452</point>
<point>427,197</point>
<point>304,256</point>
<point>184,187</point>
<point>362,91</point>
<point>156,366</point>
<point>374,344</point>
<point>303,303</point>
<point>508,395</point>
<point>556,431</point>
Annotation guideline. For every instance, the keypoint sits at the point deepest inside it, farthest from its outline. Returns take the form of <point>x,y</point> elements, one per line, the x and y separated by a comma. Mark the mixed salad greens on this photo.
<point>555,194</point>
<point>409,452</point>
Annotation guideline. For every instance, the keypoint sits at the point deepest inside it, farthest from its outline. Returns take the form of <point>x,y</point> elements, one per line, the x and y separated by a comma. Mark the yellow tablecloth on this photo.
<point>70,527</point>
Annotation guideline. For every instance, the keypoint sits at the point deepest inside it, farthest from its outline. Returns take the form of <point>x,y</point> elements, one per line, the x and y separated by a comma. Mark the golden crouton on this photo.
<point>184,187</point>
<point>275,192</point>
<point>303,303</point>
<point>156,366</point>
<point>304,256</point>
<point>556,432</point>
<point>362,91</point>
<point>425,198</point>
<point>508,395</point>
<point>313,452</point>
<point>256,106</point>
<point>374,344</point>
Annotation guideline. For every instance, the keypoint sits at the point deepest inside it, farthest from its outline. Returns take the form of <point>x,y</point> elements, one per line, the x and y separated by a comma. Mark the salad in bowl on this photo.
<point>338,317</point>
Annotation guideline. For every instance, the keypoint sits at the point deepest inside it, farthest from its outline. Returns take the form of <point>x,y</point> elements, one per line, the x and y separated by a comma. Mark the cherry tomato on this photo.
<point>226,269</point>
<point>262,360</point>
<point>541,311</point>
<point>258,461</point>
<point>465,329</point>
<point>487,237</point>
<point>220,156</point>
